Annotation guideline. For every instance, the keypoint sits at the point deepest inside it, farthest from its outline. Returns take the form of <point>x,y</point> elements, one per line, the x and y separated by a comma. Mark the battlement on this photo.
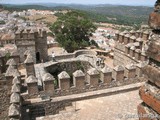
<point>80,81</point>
<point>131,47</point>
<point>30,34</point>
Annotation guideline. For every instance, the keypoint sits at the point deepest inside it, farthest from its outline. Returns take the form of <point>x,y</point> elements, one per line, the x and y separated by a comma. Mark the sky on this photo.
<point>121,2</point>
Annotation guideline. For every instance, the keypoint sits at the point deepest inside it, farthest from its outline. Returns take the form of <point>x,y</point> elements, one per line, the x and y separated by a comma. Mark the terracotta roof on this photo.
<point>78,73</point>
<point>63,75</point>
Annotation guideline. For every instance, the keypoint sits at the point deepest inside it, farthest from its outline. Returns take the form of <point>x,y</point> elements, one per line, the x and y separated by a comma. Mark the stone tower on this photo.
<point>33,40</point>
<point>149,109</point>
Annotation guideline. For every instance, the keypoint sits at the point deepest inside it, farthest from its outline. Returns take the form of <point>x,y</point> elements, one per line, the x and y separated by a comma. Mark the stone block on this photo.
<point>106,75</point>
<point>139,68</point>
<point>79,79</point>
<point>146,113</point>
<point>93,77</point>
<point>64,80</point>
<point>32,85</point>
<point>137,54</point>
<point>48,84</point>
<point>152,74</point>
<point>118,73</point>
<point>150,96</point>
<point>130,71</point>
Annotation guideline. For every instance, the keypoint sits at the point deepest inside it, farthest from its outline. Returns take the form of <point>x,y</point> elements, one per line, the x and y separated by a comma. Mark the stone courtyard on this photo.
<point>115,107</point>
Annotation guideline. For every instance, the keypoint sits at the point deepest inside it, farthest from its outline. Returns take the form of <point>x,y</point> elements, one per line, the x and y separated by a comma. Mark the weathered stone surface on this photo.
<point>154,20</point>
<point>150,95</point>
<point>13,110</point>
<point>4,103</point>
<point>15,98</point>
<point>152,74</point>
<point>64,80</point>
<point>16,80</point>
<point>31,79</point>
<point>93,77</point>
<point>79,79</point>
<point>48,81</point>
<point>154,50</point>
<point>145,113</point>
<point>15,88</point>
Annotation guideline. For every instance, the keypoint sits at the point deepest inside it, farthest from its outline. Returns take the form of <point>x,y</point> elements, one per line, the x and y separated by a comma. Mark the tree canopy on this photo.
<point>72,30</point>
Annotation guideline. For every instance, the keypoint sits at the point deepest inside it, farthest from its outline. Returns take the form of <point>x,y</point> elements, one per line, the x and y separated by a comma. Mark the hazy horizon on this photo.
<point>84,2</point>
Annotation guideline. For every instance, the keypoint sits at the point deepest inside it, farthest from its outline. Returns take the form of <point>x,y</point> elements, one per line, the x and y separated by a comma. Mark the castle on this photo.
<point>47,88</point>
<point>34,41</point>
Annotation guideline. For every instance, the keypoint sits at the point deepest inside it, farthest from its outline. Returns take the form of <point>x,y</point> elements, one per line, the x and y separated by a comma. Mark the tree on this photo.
<point>72,30</point>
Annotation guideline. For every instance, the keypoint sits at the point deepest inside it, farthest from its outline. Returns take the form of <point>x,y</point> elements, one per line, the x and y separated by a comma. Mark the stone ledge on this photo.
<point>150,96</point>
<point>93,94</point>
<point>152,74</point>
<point>146,113</point>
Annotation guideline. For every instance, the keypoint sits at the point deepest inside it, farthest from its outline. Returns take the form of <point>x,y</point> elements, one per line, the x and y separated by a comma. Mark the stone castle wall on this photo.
<point>34,41</point>
<point>130,48</point>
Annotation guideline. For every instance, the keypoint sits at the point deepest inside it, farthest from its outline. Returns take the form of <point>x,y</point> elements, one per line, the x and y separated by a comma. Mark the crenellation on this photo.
<point>130,71</point>
<point>121,37</point>
<point>126,39</point>
<point>14,111</point>
<point>106,75</point>
<point>145,35</point>
<point>93,77</point>
<point>48,84</point>
<point>132,39</point>
<point>132,51</point>
<point>64,80</point>
<point>32,86</point>
<point>79,79</point>
<point>118,73</point>
<point>138,54</point>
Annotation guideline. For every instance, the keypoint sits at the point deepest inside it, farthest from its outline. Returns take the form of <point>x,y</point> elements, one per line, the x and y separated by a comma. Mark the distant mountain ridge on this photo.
<point>118,14</point>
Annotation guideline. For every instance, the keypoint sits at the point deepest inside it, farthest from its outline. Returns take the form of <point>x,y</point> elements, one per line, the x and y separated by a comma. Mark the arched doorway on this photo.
<point>37,57</point>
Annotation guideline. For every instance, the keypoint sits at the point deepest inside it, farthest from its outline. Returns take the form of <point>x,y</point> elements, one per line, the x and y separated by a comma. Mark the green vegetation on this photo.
<point>116,14</point>
<point>2,22</point>
<point>72,30</point>
<point>7,56</point>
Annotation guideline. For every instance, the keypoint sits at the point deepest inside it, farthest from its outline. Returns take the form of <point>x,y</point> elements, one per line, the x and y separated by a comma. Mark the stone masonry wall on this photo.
<point>4,103</point>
